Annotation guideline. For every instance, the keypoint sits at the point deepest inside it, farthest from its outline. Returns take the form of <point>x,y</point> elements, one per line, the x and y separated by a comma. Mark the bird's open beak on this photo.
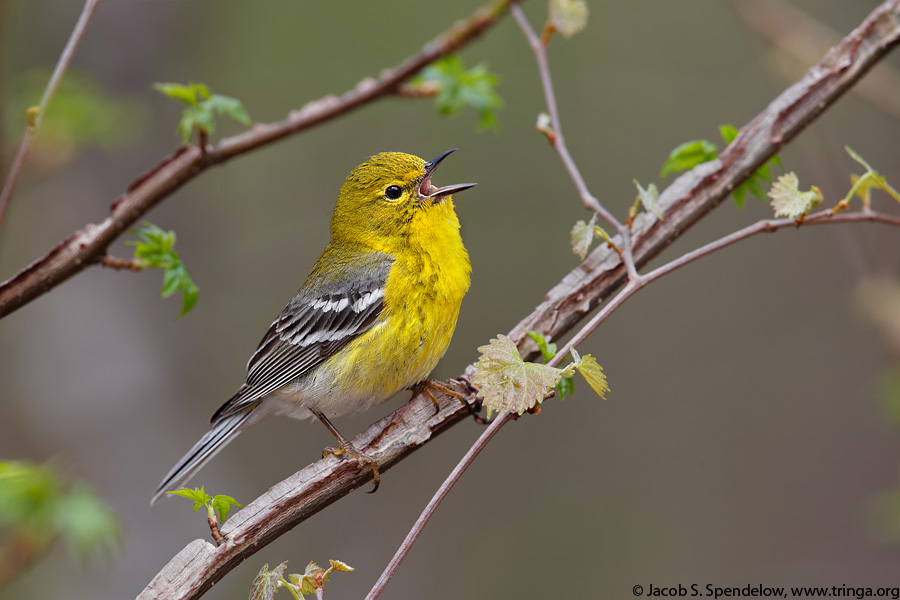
<point>435,195</point>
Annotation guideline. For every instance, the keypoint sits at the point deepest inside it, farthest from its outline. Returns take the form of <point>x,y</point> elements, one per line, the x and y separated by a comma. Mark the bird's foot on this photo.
<point>362,459</point>
<point>429,385</point>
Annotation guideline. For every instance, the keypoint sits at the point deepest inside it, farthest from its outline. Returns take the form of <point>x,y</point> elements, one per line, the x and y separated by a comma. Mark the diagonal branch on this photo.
<point>87,246</point>
<point>702,189</point>
<point>36,114</point>
<point>199,565</point>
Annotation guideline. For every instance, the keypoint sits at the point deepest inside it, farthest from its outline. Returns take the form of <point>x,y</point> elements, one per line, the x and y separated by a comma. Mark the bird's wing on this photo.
<point>326,315</point>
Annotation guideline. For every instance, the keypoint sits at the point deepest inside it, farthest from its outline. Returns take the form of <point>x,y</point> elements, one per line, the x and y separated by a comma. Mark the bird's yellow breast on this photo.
<point>423,294</point>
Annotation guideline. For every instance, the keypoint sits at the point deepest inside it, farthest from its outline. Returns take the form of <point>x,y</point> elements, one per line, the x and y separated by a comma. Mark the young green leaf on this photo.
<point>155,249</point>
<point>194,118</point>
<point>458,88</point>
<point>649,198</point>
<point>855,156</point>
<point>203,106</point>
<point>728,132</point>
<point>593,373</point>
<point>315,576</point>
<point>739,194</point>
<point>190,94</point>
<point>40,506</point>
<point>688,155</point>
<point>266,583</point>
<point>755,187</point>
<point>337,565</point>
<point>565,387</point>
<point>568,16</point>
<point>222,505</point>
<point>177,279</point>
<point>548,350</point>
<point>510,384</point>
<point>752,184</point>
<point>86,522</point>
<point>311,576</point>
<point>198,495</point>
<point>868,181</point>
<point>229,107</point>
<point>787,199</point>
<point>582,235</point>
<point>863,186</point>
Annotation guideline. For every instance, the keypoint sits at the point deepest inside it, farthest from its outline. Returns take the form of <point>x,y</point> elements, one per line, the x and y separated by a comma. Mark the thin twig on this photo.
<point>85,246</point>
<point>824,217</point>
<point>411,537</point>
<point>214,530</point>
<point>624,294</point>
<point>422,90</point>
<point>19,552</point>
<point>120,264</point>
<point>36,115</point>
<point>557,140</point>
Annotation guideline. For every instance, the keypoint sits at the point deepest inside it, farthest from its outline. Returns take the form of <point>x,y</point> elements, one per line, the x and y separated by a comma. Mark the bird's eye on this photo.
<point>393,192</point>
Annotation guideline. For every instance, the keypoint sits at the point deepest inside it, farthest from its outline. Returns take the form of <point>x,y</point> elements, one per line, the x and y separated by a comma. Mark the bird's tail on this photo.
<point>209,445</point>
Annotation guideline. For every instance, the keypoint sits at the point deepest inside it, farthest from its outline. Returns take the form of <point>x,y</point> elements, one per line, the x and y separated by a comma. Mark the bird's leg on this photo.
<point>348,449</point>
<point>426,387</point>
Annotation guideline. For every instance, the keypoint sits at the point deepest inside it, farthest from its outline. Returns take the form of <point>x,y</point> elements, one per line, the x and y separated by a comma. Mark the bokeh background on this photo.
<point>746,439</point>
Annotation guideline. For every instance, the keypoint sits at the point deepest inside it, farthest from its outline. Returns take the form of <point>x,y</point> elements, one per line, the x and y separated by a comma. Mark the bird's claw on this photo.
<point>361,458</point>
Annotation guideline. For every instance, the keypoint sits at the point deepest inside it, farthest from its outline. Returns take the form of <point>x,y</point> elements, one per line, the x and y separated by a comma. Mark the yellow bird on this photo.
<point>374,316</point>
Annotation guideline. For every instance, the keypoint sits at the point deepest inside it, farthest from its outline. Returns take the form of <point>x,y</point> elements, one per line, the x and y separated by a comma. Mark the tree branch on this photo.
<point>36,114</point>
<point>199,565</point>
<point>702,189</point>
<point>86,246</point>
<point>798,39</point>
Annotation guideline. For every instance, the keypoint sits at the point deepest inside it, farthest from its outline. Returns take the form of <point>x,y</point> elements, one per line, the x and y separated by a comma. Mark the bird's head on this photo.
<point>391,195</point>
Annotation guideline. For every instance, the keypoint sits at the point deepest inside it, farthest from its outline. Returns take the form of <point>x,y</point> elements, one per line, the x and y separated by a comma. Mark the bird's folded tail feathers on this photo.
<point>209,445</point>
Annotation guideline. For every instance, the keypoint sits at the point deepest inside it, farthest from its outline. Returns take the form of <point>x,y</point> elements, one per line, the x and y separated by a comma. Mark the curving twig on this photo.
<point>482,441</point>
<point>823,217</point>
<point>86,246</point>
<point>558,141</point>
<point>35,114</point>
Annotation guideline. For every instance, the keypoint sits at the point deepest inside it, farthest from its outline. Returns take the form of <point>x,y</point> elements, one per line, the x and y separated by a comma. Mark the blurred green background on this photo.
<point>745,440</point>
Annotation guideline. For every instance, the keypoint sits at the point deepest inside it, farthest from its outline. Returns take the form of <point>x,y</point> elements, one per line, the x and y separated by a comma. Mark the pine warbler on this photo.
<point>374,316</point>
